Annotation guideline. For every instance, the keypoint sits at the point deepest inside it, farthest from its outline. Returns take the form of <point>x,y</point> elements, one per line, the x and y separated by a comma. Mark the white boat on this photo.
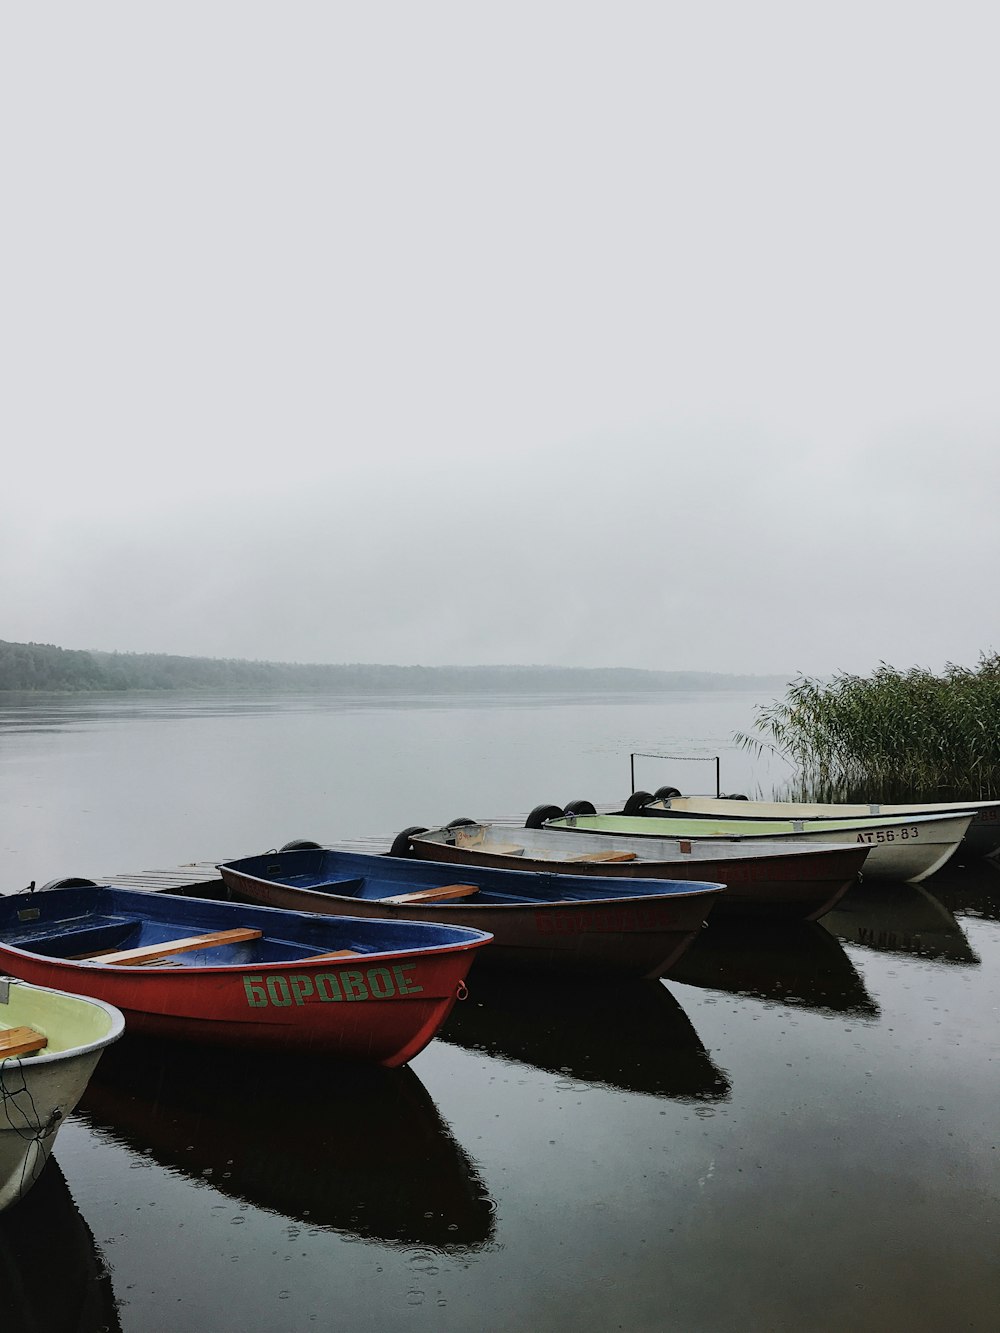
<point>982,837</point>
<point>910,848</point>
<point>50,1043</point>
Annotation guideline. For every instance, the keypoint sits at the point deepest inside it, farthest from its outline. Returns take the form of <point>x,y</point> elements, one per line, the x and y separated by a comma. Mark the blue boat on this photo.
<point>543,921</point>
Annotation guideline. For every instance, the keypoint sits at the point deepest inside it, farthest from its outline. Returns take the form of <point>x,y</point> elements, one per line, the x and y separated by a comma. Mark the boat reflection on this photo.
<point>53,1278</point>
<point>633,1036</point>
<point>797,964</point>
<point>358,1150</point>
<point>972,889</point>
<point>899,918</point>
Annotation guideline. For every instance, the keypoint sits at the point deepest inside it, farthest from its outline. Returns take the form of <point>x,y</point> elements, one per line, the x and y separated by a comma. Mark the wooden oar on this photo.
<point>605,856</point>
<point>337,953</point>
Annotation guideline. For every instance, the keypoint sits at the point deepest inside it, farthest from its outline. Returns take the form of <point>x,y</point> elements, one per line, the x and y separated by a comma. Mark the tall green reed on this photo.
<point>888,734</point>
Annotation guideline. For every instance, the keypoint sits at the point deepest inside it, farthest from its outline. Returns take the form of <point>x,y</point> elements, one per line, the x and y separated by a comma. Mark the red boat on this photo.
<point>785,879</point>
<point>540,922</point>
<point>373,991</point>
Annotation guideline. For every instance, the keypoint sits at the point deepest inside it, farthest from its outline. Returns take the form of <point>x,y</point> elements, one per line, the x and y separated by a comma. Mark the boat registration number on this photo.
<point>889,835</point>
<point>377,983</point>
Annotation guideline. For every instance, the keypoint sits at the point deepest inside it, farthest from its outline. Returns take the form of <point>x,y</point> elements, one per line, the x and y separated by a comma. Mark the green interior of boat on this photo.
<point>671,827</point>
<point>65,1020</point>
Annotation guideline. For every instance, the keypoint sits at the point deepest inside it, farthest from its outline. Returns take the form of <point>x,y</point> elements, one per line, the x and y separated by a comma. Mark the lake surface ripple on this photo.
<point>797,1130</point>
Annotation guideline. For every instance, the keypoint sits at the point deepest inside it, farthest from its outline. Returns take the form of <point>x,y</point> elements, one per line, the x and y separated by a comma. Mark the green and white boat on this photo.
<point>50,1043</point>
<point>981,839</point>
<point>905,848</point>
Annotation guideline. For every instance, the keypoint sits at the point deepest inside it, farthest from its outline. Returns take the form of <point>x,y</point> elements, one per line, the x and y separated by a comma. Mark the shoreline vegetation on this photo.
<point>45,668</point>
<point>869,738</point>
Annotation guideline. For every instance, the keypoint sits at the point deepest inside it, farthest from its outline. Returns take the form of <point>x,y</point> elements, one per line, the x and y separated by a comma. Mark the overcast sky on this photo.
<point>644,334</point>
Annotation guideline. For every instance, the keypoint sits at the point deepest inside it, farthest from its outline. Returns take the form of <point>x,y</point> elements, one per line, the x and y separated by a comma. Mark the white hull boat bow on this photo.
<point>50,1043</point>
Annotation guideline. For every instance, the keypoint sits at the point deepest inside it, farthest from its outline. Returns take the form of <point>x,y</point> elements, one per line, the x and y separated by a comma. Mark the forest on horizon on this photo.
<point>46,667</point>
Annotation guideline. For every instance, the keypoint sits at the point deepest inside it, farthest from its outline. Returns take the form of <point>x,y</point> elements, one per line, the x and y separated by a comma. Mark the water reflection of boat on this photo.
<point>53,1278</point>
<point>361,1150</point>
<point>801,965</point>
<point>972,889</point>
<point>899,918</point>
<point>634,1037</point>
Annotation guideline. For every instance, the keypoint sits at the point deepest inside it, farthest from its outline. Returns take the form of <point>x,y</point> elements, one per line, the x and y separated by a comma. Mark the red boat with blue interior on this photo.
<point>372,991</point>
<point>539,921</point>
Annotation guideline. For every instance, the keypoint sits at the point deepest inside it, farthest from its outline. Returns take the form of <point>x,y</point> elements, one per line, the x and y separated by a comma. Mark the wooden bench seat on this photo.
<point>337,953</point>
<point>605,856</point>
<point>441,893</point>
<point>21,1041</point>
<point>148,953</point>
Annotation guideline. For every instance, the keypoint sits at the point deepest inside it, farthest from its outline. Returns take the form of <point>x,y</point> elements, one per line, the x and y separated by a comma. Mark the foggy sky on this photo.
<point>651,334</point>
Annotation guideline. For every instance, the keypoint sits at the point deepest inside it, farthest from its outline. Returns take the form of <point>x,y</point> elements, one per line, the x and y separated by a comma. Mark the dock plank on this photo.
<point>204,875</point>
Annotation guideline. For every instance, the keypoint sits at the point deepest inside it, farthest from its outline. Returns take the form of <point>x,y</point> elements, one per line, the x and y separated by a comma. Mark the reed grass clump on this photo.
<point>888,734</point>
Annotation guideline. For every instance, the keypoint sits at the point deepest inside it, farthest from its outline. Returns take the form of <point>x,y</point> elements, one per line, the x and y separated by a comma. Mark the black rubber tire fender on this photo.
<point>540,814</point>
<point>401,845</point>
<point>637,802</point>
<point>70,882</point>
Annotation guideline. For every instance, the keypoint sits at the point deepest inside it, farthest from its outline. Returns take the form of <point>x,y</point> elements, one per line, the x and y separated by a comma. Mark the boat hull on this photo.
<point>634,937</point>
<point>380,1007</point>
<point>982,837</point>
<point>910,849</point>
<point>772,881</point>
<point>38,1091</point>
<point>539,921</point>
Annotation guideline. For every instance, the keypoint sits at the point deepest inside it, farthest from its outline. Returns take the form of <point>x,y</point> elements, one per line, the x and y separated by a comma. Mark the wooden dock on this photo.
<point>203,876</point>
<point>183,879</point>
<point>196,877</point>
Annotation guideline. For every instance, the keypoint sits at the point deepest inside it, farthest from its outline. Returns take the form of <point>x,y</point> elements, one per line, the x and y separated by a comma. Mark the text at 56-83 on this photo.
<point>889,834</point>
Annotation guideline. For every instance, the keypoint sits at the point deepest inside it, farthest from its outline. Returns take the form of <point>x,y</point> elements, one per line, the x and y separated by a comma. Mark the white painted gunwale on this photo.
<point>724,808</point>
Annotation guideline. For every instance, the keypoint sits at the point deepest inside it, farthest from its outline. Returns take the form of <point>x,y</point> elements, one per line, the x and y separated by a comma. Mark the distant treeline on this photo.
<point>42,666</point>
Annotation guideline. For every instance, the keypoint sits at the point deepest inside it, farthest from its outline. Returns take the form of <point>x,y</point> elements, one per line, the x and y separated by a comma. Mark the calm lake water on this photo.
<point>797,1130</point>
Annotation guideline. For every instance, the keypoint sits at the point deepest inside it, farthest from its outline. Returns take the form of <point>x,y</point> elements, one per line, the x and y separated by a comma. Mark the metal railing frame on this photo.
<point>680,758</point>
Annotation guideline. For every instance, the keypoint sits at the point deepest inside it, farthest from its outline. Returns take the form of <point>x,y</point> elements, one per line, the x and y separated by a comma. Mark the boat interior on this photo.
<point>133,942</point>
<point>553,843</point>
<point>400,882</point>
<point>127,929</point>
